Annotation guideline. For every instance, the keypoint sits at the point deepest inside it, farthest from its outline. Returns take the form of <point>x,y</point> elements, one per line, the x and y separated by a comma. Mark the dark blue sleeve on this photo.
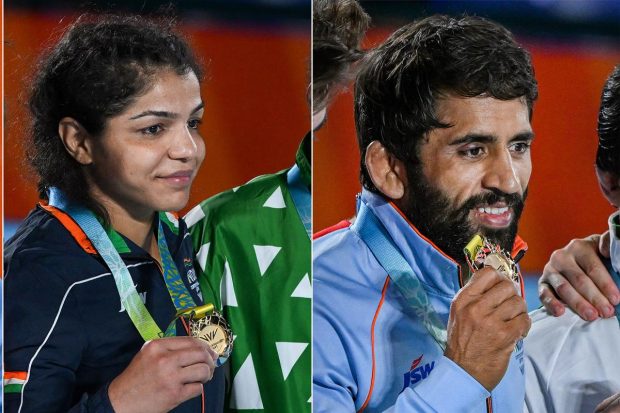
<point>99,402</point>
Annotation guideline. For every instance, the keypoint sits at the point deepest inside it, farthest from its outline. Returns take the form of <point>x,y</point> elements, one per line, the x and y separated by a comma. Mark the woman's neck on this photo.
<point>134,223</point>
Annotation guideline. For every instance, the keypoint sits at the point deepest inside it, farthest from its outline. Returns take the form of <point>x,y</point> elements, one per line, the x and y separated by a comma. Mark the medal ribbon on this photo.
<point>179,293</point>
<point>137,311</point>
<point>301,197</point>
<point>376,237</point>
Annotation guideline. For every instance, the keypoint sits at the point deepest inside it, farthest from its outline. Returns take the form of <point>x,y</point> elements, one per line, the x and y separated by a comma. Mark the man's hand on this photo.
<point>609,405</point>
<point>164,373</point>
<point>576,276</point>
<point>487,318</point>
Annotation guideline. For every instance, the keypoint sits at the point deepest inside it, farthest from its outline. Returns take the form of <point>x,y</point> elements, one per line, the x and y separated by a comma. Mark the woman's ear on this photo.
<point>76,140</point>
<point>386,171</point>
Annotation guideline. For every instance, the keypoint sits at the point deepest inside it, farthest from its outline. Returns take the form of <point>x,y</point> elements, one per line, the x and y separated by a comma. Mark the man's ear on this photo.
<point>387,173</point>
<point>76,140</point>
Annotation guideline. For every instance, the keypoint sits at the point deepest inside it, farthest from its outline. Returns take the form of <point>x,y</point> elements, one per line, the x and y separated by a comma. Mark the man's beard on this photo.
<point>448,226</point>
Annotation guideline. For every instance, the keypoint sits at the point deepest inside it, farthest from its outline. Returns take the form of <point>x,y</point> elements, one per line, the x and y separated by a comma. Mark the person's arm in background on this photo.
<point>609,405</point>
<point>576,277</point>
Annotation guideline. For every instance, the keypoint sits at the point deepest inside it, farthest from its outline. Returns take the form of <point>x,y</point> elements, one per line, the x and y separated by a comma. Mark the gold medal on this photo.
<point>206,324</point>
<point>480,253</point>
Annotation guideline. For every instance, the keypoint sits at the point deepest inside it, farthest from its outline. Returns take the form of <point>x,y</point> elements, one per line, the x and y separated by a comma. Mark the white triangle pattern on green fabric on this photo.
<point>245,391</point>
<point>303,289</point>
<point>310,399</point>
<point>265,255</point>
<point>289,353</point>
<point>227,289</point>
<point>275,200</point>
<point>202,255</point>
<point>194,215</point>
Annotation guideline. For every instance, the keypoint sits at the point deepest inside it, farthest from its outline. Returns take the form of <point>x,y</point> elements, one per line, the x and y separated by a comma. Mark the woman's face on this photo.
<point>147,156</point>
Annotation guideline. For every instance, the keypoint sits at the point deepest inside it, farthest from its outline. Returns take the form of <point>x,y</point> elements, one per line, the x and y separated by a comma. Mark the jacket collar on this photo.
<point>123,245</point>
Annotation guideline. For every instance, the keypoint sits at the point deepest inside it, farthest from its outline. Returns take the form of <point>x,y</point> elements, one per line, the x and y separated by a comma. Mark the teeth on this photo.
<point>492,211</point>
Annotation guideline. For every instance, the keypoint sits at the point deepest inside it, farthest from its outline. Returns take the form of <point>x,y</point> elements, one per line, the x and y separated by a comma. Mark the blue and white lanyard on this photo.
<point>374,234</point>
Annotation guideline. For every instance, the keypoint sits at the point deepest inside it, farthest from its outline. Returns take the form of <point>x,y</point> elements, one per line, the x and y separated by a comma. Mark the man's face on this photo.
<point>471,177</point>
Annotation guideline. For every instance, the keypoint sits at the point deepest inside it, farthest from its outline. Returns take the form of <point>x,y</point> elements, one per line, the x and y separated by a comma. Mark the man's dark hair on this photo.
<point>608,153</point>
<point>338,29</point>
<point>398,88</point>
<point>100,65</point>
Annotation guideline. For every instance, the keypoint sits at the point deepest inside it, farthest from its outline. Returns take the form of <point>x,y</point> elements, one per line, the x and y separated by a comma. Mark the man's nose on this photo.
<point>501,174</point>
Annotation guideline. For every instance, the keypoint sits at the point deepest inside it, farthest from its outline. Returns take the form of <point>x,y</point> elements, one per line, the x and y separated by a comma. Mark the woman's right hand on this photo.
<point>165,373</point>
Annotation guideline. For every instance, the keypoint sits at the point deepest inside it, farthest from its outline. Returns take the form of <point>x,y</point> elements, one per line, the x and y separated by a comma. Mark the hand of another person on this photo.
<point>164,373</point>
<point>609,405</point>
<point>576,276</point>
<point>487,318</point>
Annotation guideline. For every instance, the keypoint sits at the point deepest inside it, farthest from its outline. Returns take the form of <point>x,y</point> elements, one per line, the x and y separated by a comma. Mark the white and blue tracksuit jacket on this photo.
<point>371,353</point>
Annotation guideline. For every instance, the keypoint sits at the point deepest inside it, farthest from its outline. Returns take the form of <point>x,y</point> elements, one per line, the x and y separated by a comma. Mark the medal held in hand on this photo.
<point>481,253</point>
<point>208,325</point>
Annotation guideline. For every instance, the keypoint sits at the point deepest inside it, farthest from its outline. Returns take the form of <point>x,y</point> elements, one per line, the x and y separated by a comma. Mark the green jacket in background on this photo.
<point>253,261</point>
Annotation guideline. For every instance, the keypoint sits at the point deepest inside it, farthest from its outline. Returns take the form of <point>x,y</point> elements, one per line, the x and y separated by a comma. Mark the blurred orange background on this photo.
<point>255,95</point>
<point>564,201</point>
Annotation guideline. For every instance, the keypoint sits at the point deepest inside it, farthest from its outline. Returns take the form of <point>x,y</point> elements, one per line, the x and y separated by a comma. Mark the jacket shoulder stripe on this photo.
<point>74,229</point>
<point>340,225</point>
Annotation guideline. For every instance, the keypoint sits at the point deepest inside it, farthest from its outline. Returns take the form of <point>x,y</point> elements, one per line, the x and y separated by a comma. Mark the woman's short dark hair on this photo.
<point>608,153</point>
<point>100,65</point>
<point>338,27</point>
<point>402,79</point>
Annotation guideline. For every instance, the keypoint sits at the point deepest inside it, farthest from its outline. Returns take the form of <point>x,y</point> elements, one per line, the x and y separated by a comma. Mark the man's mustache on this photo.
<point>494,196</point>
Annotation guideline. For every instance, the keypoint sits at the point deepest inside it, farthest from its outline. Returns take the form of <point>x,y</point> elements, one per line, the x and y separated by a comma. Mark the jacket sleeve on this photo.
<point>43,341</point>
<point>449,389</point>
<point>335,388</point>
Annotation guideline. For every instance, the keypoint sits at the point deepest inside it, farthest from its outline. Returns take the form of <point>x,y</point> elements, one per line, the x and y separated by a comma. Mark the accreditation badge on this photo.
<point>206,324</point>
<point>481,253</point>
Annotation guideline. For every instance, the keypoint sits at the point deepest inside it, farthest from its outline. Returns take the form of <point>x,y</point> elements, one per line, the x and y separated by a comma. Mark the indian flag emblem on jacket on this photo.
<point>14,381</point>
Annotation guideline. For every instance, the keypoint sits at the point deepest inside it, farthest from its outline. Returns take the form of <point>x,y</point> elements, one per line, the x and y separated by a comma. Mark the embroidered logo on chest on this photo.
<point>191,277</point>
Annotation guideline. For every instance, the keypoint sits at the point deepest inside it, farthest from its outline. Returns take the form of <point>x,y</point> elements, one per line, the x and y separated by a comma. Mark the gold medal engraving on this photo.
<point>215,334</point>
<point>480,253</point>
<point>208,325</point>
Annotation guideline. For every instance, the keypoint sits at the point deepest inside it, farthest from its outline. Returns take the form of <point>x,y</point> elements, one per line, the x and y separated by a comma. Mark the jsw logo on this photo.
<point>417,372</point>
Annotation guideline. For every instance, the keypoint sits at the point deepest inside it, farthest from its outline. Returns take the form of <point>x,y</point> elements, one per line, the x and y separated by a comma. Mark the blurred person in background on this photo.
<point>95,275</point>
<point>338,30</point>
<point>571,363</point>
